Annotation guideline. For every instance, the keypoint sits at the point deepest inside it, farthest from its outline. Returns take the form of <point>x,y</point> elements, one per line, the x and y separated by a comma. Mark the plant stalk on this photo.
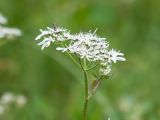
<point>86,96</point>
<point>85,107</point>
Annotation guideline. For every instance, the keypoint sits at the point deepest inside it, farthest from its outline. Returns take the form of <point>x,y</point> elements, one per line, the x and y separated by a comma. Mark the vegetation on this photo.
<point>53,85</point>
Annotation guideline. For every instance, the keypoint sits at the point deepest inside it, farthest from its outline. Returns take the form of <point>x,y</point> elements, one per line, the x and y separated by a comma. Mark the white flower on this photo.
<point>55,34</point>
<point>86,45</point>
<point>103,64</point>
<point>43,33</point>
<point>105,70</point>
<point>46,42</point>
<point>3,20</point>
<point>115,56</point>
<point>56,29</point>
<point>9,32</point>
<point>61,49</point>
<point>7,98</point>
<point>6,32</point>
<point>21,100</point>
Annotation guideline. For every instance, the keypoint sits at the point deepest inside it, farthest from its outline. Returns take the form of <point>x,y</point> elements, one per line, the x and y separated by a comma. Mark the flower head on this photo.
<point>21,100</point>
<point>3,20</point>
<point>115,56</point>
<point>8,99</point>
<point>86,45</point>
<point>7,32</point>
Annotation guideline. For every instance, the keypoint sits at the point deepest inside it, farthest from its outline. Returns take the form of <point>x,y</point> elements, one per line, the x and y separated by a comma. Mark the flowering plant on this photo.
<point>6,32</point>
<point>87,50</point>
<point>9,98</point>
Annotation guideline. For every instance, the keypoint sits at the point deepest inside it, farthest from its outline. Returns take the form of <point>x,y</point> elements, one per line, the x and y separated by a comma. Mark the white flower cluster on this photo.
<point>6,32</point>
<point>3,20</point>
<point>9,98</point>
<point>85,45</point>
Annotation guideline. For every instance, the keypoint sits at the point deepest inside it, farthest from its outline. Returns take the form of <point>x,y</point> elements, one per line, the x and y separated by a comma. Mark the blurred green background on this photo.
<point>53,85</point>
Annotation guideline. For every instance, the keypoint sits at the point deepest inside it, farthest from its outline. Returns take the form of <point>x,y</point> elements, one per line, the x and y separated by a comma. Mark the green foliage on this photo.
<point>53,84</point>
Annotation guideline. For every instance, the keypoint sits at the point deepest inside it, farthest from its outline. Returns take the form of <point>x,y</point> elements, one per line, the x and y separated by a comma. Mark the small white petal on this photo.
<point>61,49</point>
<point>115,56</point>
<point>105,70</point>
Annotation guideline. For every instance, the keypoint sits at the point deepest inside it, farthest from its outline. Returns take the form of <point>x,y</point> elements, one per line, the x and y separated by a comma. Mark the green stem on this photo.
<point>86,96</point>
<point>74,60</point>
<point>85,66</point>
<point>93,67</point>
<point>85,89</point>
<point>81,64</point>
